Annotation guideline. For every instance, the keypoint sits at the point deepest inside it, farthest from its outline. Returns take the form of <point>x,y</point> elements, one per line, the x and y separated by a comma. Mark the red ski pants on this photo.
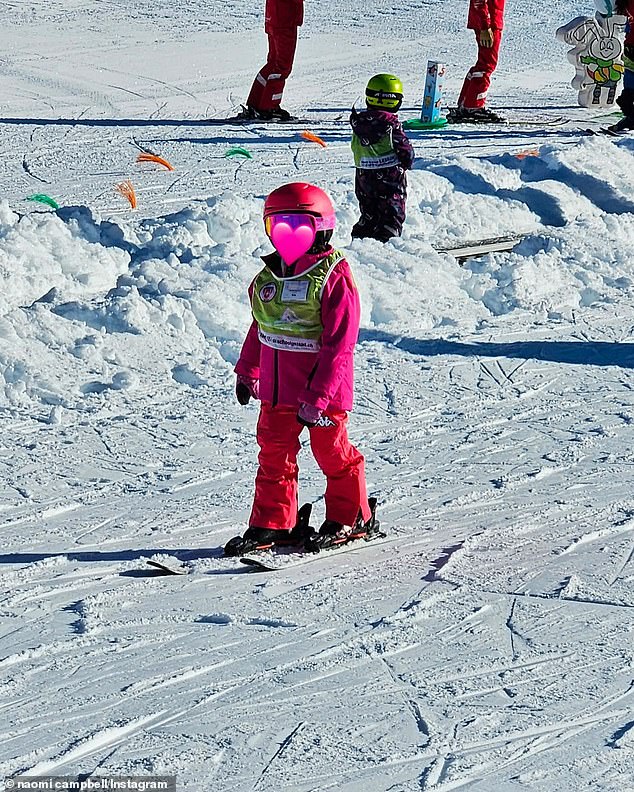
<point>268,86</point>
<point>476,84</point>
<point>275,500</point>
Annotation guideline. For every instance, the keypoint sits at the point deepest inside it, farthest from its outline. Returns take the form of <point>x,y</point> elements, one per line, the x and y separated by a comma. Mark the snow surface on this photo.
<point>489,647</point>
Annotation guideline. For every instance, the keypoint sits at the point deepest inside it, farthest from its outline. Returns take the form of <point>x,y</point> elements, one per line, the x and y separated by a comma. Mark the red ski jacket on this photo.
<point>280,14</point>
<point>485,14</point>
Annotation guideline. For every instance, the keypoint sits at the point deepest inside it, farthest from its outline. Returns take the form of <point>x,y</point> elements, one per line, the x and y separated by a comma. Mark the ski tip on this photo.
<point>164,568</point>
<point>257,565</point>
<point>604,132</point>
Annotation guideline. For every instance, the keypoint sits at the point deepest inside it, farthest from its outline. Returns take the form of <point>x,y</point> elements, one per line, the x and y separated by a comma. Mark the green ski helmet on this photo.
<point>384,91</point>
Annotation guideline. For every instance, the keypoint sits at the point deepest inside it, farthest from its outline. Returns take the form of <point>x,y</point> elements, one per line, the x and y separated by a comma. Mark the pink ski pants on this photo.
<point>275,501</point>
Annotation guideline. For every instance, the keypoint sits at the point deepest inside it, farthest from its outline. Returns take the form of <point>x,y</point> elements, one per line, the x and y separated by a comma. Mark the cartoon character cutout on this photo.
<point>597,54</point>
<point>604,67</point>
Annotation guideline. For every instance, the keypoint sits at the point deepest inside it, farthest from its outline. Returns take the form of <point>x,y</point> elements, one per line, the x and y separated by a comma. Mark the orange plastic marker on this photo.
<point>312,137</point>
<point>527,153</point>
<point>144,156</point>
<point>127,190</point>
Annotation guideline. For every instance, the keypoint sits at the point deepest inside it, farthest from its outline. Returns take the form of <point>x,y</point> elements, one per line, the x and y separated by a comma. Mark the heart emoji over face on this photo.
<point>291,243</point>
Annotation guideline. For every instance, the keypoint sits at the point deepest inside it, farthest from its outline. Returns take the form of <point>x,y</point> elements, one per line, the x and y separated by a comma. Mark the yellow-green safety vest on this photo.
<point>372,156</point>
<point>288,310</point>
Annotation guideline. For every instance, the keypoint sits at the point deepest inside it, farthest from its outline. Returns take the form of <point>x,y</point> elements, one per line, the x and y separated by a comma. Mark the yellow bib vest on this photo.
<point>288,310</point>
<point>372,156</point>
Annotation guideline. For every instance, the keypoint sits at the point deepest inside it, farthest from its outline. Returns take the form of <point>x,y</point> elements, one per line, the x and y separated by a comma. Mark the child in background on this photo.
<point>626,99</point>
<point>382,154</point>
<point>297,359</point>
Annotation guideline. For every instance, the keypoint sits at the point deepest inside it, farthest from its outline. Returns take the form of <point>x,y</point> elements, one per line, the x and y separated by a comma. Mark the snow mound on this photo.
<point>91,306</point>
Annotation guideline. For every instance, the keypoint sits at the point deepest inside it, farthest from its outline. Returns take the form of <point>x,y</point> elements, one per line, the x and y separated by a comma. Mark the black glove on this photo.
<point>308,415</point>
<point>247,387</point>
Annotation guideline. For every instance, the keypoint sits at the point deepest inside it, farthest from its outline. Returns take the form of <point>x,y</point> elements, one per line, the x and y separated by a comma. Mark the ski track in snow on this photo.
<point>390,645</point>
<point>489,648</point>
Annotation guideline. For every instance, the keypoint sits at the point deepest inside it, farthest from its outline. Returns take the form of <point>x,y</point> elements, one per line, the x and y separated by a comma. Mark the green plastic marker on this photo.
<point>45,199</point>
<point>238,151</point>
<point>417,124</point>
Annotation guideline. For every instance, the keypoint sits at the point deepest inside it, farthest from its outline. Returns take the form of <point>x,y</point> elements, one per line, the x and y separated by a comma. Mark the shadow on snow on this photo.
<point>584,353</point>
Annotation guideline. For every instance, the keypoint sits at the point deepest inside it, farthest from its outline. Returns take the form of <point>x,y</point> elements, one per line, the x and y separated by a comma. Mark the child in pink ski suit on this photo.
<point>297,359</point>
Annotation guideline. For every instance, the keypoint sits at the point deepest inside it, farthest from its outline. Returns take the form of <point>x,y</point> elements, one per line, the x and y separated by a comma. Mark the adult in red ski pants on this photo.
<point>478,79</point>
<point>268,86</point>
<point>275,501</point>
<point>282,18</point>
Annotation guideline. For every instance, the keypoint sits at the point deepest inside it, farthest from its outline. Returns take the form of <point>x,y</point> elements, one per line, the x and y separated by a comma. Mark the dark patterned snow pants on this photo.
<point>381,194</point>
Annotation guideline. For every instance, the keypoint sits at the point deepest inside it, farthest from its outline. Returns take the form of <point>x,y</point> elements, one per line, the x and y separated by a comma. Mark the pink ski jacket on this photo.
<point>485,14</point>
<point>283,14</point>
<point>324,378</point>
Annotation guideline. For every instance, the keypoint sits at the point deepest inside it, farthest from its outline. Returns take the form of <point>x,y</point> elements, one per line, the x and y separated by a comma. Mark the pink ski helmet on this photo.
<point>302,198</point>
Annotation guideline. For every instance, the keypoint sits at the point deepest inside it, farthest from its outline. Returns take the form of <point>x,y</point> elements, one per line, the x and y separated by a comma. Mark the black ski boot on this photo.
<point>259,539</point>
<point>249,113</point>
<point>303,528</point>
<point>255,539</point>
<point>476,115</point>
<point>278,114</point>
<point>622,127</point>
<point>334,534</point>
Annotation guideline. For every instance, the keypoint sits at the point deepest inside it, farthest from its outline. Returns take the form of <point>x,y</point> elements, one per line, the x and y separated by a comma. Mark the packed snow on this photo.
<point>487,644</point>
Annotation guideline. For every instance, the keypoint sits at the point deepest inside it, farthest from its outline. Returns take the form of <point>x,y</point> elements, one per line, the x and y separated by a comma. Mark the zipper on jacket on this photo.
<point>312,374</point>
<point>275,378</point>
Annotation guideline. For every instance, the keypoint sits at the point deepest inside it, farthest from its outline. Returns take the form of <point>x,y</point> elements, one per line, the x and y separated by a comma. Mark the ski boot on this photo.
<point>334,534</point>
<point>476,115</point>
<point>279,114</point>
<point>622,127</point>
<point>260,539</point>
<point>249,113</point>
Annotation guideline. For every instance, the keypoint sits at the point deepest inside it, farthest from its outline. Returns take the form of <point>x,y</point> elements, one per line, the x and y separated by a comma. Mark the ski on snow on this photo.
<point>181,564</point>
<point>277,122</point>
<point>479,247</point>
<point>171,566</point>
<point>239,121</point>
<point>276,560</point>
<point>607,132</point>
<point>272,559</point>
<point>509,122</point>
<point>269,560</point>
